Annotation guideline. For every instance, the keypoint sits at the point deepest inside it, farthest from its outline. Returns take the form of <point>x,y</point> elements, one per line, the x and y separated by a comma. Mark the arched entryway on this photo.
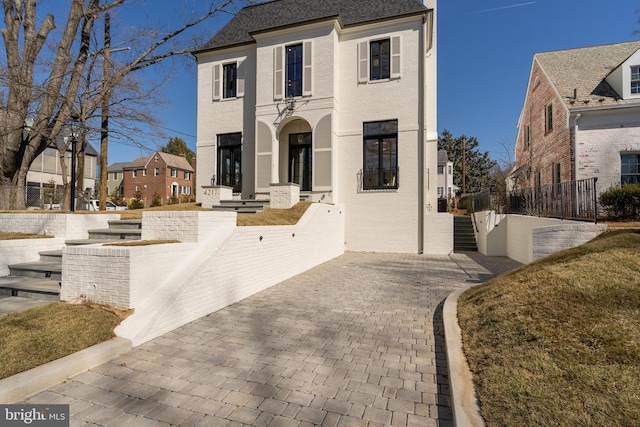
<point>296,153</point>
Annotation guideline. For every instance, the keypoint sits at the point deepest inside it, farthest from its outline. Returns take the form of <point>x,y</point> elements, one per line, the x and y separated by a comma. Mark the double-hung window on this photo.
<point>230,74</point>
<point>228,80</point>
<point>548,117</point>
<point>635,80</point>
<point>630,168</point>
<point>292,72</point>
<point>380,155</point>
<point>379,59</point>
<point>174,173</point>
<point>380,62</point>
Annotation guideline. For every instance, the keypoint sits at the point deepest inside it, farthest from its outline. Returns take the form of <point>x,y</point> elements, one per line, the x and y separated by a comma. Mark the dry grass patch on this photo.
<point>557,342</point>
<point>42,334</point>
<point>275,216</point>
<point>9,235</point>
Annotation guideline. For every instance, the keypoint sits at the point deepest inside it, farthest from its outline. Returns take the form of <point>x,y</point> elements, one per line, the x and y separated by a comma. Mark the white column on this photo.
<point>275,161</point>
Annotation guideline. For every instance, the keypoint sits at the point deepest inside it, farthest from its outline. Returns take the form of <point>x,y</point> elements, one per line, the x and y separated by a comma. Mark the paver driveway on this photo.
<point>356,341</point>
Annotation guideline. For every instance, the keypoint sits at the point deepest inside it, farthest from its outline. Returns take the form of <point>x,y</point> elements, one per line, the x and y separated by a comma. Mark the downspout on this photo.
<point>421,136</point>
<point>574,148</point>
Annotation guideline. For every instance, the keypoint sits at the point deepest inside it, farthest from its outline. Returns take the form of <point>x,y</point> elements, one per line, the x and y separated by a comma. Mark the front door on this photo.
<point>229,161</point>
<point>300,160</point>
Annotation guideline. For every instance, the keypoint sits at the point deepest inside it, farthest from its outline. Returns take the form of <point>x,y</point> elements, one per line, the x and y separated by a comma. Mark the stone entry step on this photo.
<point>464,238</point>
<point>41,280</point>
<point>241,206</point>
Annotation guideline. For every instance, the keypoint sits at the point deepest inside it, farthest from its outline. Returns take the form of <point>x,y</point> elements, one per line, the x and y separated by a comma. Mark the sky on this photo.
<point>485,52</point>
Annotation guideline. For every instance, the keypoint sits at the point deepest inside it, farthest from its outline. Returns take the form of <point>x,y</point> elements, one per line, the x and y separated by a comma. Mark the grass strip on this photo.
<point>557,342</point>
<point>9,235</point>
<point>42,334</point>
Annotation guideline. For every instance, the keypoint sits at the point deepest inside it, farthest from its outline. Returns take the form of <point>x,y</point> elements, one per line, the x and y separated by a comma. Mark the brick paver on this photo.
<point>357,341</point>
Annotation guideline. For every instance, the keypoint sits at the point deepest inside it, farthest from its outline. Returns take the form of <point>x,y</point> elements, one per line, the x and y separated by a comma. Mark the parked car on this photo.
<point>94,205</point>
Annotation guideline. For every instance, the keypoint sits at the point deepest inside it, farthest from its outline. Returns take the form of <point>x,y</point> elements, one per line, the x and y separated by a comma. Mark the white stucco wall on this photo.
<point>438,233</point>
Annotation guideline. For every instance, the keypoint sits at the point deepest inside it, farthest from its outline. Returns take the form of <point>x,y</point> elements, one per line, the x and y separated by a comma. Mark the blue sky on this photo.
<point>485,51</point>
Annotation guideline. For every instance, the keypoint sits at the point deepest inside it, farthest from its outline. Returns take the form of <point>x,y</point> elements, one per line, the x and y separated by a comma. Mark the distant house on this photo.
<point>115,174</point>
<point>581,118</point>
<point>337,97</point>
<point>170,176</point>
<point>446,188</point>
<point>47,168</point>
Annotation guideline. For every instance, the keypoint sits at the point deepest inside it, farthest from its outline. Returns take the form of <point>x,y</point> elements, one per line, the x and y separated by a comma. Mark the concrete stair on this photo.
<point>464,238</point>
<point>241,206</point>
<point>42,279</point>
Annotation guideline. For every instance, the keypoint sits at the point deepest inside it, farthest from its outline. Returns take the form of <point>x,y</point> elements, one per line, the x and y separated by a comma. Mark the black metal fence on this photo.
<point>568,200</point>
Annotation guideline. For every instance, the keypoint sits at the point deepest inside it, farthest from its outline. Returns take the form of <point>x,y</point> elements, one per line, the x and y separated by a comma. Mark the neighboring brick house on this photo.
<point>337,96</point>
<point>115,173</point>
<point>446,188</point>
<point>581,118</point>
<point>166,174</point>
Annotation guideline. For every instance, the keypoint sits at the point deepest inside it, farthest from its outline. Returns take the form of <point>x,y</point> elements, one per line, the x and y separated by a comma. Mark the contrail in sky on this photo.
<point>503,7</point>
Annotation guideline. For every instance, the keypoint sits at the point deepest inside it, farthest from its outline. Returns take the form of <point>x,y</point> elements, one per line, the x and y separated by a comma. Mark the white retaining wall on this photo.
<point>65,226</point>
<point>526,238</point>
<point>438,234</point>
<point>173,284</point>
<point>25,250</point>
<point>186,226</point>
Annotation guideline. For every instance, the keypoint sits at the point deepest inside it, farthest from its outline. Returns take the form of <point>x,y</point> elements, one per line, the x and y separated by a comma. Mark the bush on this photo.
<point>137,202</point>
<point>156,200</point>
<point>621,202</point>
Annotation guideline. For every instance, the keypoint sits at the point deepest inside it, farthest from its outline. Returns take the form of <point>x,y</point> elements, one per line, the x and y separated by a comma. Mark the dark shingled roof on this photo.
<point>585,69</point>
<point>283,13</point>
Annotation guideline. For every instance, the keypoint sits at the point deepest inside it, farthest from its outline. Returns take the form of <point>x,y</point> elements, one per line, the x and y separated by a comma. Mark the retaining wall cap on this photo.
<point>464,403</point>
<point>19,387</point>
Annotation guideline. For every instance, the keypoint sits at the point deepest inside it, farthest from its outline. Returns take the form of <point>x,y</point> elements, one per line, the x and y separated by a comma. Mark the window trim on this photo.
<point>364,59</point>
<point>634,83</point>
<point>280,70</point>
<point>548,117</point>
<point>630,174</point>
<point>380,138</point>
<point>218,80</point>
<point>229,85</point>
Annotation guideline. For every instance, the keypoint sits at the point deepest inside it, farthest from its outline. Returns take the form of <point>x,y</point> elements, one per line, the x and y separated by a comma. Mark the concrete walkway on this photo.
<point>357,341</point>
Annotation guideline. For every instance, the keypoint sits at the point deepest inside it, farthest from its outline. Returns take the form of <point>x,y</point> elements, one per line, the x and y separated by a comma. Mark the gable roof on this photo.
<point>172,161</point>
<point>117,167</point>
<point>285,13</point>
<point>585,69</point>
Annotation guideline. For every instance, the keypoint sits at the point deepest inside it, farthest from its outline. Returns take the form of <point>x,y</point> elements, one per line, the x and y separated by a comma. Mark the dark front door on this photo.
<point>229,161</point>
<point>300,159</point>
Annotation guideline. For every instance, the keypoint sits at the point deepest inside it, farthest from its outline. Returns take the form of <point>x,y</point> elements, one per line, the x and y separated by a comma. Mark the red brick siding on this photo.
<point>151,184</point>
<point>546,148</point>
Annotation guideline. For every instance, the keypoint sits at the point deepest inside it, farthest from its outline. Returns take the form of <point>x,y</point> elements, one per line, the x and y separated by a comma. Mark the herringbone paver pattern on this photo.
<point>354,342</point>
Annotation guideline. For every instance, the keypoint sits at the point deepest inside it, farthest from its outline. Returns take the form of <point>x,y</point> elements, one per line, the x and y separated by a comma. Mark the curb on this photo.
<point>25,384</point>
<point>464,402</point>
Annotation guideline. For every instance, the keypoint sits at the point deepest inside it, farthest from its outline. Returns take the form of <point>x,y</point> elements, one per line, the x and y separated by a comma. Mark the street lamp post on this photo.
<point>74,141</point>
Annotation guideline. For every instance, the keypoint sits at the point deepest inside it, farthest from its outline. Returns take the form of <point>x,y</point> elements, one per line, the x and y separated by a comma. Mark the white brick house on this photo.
<point>581,117</point>
<point>338,96</point>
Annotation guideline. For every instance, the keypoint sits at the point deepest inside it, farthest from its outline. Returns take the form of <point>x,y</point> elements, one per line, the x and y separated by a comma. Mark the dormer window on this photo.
<point>635,80</point>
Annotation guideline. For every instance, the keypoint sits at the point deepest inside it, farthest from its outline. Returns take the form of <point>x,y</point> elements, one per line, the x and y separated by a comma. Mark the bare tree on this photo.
<point>46,72</point>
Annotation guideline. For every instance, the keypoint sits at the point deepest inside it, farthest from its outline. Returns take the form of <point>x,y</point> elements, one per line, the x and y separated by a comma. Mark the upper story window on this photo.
<point>379,59</point>
<point>174,173</point>
<point>635,80</point>
<point>156,171</point>
<point>630,168</point>
<point>144,172</point>
<point>292,71</point>
<point>187,175</point>
<point>548,118</point>
<point>380,62</point>
<point>527,135</point>
<point>229,80</point>
<point>134,174</point>
<point>440,169</point>
<point>380,164</point>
